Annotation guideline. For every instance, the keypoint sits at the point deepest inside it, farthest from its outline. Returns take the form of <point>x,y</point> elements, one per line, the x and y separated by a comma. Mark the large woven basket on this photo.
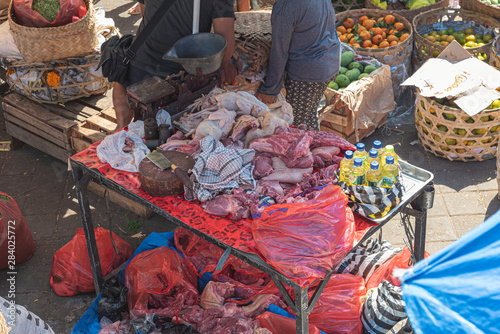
<point>44,44</point>
<point>345,5</point>
<point>481,7</point>
<point>444,142</point>
<point>58,81</point>
<point>443,15</point>
<point>494,57</point>
<point>409,14</point>
<point>253,22</point>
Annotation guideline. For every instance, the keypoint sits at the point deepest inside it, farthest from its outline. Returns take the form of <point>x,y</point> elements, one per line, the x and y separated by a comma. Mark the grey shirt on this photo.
<point>305,43</point>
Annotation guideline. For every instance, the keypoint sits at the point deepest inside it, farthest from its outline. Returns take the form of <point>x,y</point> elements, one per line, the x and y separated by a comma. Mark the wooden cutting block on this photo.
<point>157,182</point>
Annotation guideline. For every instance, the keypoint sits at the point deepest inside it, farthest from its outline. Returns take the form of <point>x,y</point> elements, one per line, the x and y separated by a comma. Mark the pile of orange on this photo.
<point>371,32</point>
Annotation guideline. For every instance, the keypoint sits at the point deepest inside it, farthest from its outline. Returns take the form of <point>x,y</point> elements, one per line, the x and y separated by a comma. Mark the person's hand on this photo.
<point>267,99</point>
<point>228,74</point>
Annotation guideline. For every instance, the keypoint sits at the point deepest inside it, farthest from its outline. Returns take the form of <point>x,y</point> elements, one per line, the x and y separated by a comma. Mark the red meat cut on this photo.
<point>291,145</point>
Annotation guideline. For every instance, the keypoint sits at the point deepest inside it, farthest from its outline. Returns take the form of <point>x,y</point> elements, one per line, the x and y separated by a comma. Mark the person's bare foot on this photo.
<point>135,9</point>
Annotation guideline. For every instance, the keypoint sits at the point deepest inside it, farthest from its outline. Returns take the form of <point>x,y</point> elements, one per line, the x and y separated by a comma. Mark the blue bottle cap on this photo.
<point>377,144</point>
<point>374,165</point>
<point>360,146</point>
<point>348,154</point>
<point>389,160</point>
<point>358,162</point>
<point>373,153</point>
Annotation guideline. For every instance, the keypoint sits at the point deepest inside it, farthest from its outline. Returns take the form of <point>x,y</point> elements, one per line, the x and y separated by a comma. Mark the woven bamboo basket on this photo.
<point>475,141</point>
<point>58,81</point>
<point>481,7</point>
<point>446,16</point>
<point>253,22</point>
<point>44,44</point>
<point>409,14</point>
<point>494,57</point>
<point>345,5</point>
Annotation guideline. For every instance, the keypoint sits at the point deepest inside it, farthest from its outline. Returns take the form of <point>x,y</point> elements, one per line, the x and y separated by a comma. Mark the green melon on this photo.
<point>369,69</point>
<point>353,74</point>
<point>346,58</point>
<point>354,65</point>
<point>342,80</point>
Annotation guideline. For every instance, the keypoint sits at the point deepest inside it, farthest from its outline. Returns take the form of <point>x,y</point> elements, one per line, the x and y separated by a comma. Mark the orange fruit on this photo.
<point>349,36</point>
<point>393,43</point>
<point>376,31</point>
<point>349,30</point>
<point>365,35</point>
<point>389,19</point>
<point>383,44</point>
<point>392,38</point>
<point>374,46</point>
<point>384,35</point>
<point>404,37</point>
<point>380,19</point>
<point>363,18</point>
<point>348,23</point>
<point>352,41</point>
<point>360,29</point>
<point>431,39</point>
<point>342,38</point>
<point>368,24</point>
<point>341,30</point>
<point>367,44</point>
<point>356,45</point>
<point>377,39</point>
<point>399,26</point>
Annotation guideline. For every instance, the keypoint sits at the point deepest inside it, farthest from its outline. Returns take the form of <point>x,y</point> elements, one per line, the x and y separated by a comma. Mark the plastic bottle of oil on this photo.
<point>374,175</point>
<point>360,152</point>
<point>372,156</point>
<point>345,166</point>
<point>389,151</point>
<point>377,145</point>
<point>357,177</point>
<point>390,172</point>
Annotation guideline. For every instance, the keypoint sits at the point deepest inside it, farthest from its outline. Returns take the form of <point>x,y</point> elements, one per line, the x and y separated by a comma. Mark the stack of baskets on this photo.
<point>479,6</point>
<point>452,134</point>
<point>447,18</point>
<point>494,57</point>
<point>409,14</point>
<point>345,5</point>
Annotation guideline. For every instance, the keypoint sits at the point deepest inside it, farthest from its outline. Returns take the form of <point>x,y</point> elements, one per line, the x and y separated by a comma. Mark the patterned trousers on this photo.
<point>304,96</point>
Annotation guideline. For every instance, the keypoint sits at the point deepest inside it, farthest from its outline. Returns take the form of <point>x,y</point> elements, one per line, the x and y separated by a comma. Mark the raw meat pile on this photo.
<point>234,118</point>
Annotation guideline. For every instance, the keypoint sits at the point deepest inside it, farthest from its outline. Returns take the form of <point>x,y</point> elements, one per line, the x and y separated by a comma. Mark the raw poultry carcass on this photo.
<point>283,110</point>
<point>218,125</point>
<point>206,101</point>
<point>244,124</point>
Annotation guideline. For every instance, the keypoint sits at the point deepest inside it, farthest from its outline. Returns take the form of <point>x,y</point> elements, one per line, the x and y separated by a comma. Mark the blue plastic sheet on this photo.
<point>88,323</point>
<point>456,290</point>
<point>279,311</point>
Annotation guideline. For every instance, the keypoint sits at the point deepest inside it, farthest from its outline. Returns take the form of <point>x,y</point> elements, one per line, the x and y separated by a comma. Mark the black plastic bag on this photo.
<point>170,328</point>
<point>113,300</point>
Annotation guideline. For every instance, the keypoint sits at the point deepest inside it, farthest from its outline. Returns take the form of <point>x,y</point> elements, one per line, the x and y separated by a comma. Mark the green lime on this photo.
<point>450,31</point>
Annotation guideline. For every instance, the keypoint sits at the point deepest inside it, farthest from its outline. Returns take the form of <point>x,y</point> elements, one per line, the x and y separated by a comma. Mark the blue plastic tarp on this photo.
<point>457,290</point>
<point>88,323</point>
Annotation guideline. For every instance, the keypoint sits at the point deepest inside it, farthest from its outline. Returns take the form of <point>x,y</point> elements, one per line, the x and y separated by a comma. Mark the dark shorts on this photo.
<point>135,75</point>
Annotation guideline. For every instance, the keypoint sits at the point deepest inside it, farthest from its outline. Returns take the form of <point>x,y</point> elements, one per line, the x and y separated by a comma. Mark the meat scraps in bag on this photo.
<point>71,273</point>
<point>160,279</point>
<point>202,254</point>
<point>14,232</point>
<point>305,240</point>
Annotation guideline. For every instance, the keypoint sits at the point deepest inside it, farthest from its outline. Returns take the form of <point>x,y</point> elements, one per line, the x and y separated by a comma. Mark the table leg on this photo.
<point>302,316</point>
<point>81,181</point>
<point>422,203</point>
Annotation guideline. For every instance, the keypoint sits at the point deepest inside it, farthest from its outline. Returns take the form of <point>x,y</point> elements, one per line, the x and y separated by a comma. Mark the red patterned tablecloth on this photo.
<point>235,234</point>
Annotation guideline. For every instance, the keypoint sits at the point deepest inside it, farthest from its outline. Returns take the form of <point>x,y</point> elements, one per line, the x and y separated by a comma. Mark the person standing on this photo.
<point>175,24</point>
<point>306,48</point>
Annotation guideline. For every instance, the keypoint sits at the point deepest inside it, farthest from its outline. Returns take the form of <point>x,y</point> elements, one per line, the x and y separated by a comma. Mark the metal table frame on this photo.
<point>302,306</point>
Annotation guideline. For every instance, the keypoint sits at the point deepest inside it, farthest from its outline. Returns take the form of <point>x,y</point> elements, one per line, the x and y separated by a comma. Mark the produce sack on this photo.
<point>384,307</point>
<point>71,273</point>
<point>279,324</point>
<point>339,307</point>
<point>16,242</point>
<point>20,321</point>
<point>305,240</point>
<point>160,277</point>
<point>69,11</point>
<point>246,279</point>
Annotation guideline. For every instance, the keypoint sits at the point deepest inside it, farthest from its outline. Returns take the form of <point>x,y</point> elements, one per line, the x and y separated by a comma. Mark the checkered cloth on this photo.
<point>367,257</point>
<point>368,201</point>
<point>218,169</point>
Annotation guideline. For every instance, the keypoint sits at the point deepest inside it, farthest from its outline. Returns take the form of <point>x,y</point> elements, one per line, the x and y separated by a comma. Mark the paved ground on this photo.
<point>466,194</point>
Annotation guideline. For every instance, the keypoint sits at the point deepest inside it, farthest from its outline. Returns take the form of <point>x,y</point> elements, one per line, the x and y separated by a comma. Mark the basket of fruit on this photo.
<point>403,10</point>
<point>344,5</point>
<point>488,7</point>
<point>448,132</point>
<point>38,44</point>
<point>436,29</point>
<point>494,53</point>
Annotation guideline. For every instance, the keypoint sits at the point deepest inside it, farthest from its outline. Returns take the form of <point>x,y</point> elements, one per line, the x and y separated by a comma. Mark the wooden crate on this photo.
<point>61,131</point>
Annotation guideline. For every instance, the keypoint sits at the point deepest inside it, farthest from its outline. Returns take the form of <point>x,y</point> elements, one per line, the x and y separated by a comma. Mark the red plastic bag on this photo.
<point>202,254</point>
<point>339,307</point>
<point>161,278</point>
<point>247,280</point>
<point>71,273</point>
<point>279,324</point>
<point>70,11</point>
<point>16,241</point>
<point>305,240</point>
<point>384,272</point>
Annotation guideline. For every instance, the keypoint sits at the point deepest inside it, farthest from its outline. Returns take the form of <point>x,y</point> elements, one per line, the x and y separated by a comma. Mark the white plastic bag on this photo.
<point>163,117</point>
<point>137,128</point>
<point>8,47</point>
<point>21,320</point>
<point>110,150</point>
